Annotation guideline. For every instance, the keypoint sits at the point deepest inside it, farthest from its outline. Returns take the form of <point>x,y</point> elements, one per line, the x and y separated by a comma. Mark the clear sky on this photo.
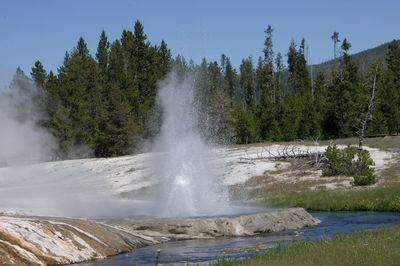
<point>44,30</point>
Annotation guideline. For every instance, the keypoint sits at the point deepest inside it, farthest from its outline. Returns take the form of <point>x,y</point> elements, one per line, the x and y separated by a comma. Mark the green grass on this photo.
<point>383,198</point>
<point>371,247</point>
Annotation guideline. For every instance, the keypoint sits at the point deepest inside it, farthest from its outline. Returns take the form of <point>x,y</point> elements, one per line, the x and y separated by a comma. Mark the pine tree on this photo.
<point>278,81</point>
<point>343,92</point>
<point>39,74</point>
<point>335,39</point>
<point>297,65</point>
<point>266,79</point>
<point>23,97</point>
<point>116,61</point>
<point>269,78</point>
<point>103,52</point>
<point>297,115</point>
<point>247,82</point>
<point>290,118</point>
<point>229,76</point>
<point>391,94</point>
<point>244,125</point>
<point>58,116</point>
<point>219,116</point>
<point>82,49</point>
<point>80,82</point>
<point>117,130</point>
<point>165,58</point>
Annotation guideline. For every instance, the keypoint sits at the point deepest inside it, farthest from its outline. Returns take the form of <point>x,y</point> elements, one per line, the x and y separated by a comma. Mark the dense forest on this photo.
<point>107,102</point>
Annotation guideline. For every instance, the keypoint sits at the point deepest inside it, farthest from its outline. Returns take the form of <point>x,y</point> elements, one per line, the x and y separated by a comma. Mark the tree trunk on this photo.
<point>368,115</point>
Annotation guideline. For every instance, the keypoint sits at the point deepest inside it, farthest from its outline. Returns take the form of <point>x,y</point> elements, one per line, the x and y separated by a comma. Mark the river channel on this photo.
<point>205,251</point>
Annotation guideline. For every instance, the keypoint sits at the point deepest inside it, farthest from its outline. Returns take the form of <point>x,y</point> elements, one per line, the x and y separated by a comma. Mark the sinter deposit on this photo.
<point>244,225</point>
<point>44,241</point>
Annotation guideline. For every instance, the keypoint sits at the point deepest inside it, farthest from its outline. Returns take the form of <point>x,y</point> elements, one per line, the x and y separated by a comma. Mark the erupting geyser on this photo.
<point>189,185</point>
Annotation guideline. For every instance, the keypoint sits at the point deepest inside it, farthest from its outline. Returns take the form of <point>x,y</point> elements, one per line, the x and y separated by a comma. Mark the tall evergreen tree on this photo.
<point>24,97</point>
<point>39,74</point>
<point>391,94</point>
<point>278,81</point>
<point>297,65</point>
<point>266,72</point>
<point>343,91</point>
<point>165,57</point>
<point>82,49</point>
<point>103,52</point>
<point>247,81</point>
<point>116,61</point>
<point>335,39</point>
<point>229,76</point>
<point>269,79</point>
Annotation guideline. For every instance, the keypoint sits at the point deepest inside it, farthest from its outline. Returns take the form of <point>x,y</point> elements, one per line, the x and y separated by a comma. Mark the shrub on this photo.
<point>333,163</point>
<point>363,174</point>
<point>339,162</point>
<point>343,162</point>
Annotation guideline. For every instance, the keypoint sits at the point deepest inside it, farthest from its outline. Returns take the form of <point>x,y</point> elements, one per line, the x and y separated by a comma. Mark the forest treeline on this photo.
<point>107,102</point>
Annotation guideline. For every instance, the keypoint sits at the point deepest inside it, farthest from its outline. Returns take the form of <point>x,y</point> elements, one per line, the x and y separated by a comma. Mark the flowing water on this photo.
<point>204,251</point>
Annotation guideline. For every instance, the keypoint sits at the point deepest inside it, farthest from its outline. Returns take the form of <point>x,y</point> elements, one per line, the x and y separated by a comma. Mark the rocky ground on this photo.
<point>244,225</point>
<point>50,241</point>
<point>301,173</point>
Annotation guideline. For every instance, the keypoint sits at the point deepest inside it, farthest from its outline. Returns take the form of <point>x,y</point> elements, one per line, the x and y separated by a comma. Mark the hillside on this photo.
<point>363,59</point>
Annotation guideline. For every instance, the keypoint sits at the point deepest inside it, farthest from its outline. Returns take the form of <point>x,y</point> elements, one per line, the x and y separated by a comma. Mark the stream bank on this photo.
<point>36,240</point>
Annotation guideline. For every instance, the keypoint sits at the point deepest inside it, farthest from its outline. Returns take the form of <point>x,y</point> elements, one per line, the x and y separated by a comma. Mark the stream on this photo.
<point>205,251</point>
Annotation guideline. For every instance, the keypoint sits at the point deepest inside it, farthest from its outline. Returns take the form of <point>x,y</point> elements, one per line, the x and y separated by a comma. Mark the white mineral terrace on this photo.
<point>98,187</point>
<point>90,187</point>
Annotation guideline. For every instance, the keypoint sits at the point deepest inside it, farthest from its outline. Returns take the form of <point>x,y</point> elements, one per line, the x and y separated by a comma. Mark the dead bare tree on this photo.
<point>368,115</point>
<point>285,152</point>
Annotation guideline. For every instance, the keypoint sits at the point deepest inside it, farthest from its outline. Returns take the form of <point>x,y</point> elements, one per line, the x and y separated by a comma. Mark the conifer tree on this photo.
<point>39,74</point>
<point>28,98</point>
<point>391,94</point>
<point>266,74</point>
<point>343,92</point>
<point>278,81</point>
<point>269,80</point>
<point>247,82</point>
<point>335,39</point>
<point>82,49</point>
<point>165,58</point>
<point>116,61</point>
<point>229,76</point>
<point>103,52</point>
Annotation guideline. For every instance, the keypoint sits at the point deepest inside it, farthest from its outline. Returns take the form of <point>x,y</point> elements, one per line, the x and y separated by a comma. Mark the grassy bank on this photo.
<point>383,198</point>
<point>373,247</point>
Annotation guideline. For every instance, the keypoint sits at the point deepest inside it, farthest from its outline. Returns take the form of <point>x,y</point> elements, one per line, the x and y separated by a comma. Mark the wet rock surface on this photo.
<point>245,225</point>
<point>48,241</point>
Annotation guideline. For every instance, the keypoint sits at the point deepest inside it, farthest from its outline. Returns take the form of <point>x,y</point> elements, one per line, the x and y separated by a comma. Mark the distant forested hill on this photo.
<point>362,59</point>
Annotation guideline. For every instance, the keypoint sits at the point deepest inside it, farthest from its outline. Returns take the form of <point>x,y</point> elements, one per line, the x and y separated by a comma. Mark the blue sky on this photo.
<point>44,30</point>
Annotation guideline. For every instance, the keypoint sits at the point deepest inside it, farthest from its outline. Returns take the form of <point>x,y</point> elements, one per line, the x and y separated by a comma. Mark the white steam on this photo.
<point>189,186</point>
<point>22,140</point>
<point>26,183</point>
